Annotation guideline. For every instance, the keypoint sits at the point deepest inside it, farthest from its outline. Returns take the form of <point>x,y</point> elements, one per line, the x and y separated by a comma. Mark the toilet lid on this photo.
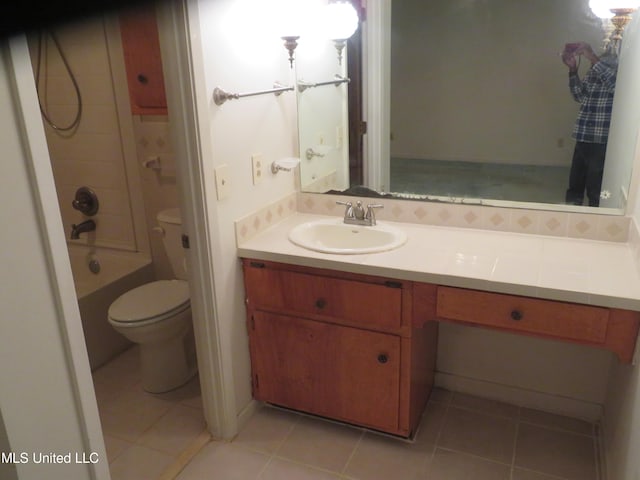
<point>150,300</point>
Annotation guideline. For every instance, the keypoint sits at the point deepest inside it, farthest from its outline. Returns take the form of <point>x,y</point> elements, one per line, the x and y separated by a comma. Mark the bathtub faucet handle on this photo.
<point>86,201</point>
<point>86,226</point>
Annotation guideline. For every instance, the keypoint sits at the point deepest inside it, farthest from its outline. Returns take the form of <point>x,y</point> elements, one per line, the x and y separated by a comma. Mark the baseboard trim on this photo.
<point>547,402</point>
<point>247,412</point>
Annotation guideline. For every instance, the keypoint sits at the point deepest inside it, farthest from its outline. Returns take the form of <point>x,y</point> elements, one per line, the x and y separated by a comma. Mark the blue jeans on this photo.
<point>587,167</point>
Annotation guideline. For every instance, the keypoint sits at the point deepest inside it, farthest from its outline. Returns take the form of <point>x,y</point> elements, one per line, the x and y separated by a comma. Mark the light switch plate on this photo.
<point>223,183</point>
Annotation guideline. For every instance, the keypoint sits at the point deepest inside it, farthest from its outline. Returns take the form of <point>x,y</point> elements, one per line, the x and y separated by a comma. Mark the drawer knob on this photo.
<point>321,303</point>
<point>516,315</point>
<point>382,358</point>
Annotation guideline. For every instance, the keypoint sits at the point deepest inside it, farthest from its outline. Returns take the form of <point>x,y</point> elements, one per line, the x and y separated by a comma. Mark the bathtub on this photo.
<point>115,273</point>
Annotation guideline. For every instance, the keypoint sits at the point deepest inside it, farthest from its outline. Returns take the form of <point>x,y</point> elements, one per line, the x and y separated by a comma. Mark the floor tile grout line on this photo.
<point>550,475</point>
<point>554,428</point>
<point>436,442</point>
<point>353,452</point>
<point>473,455</point>
<point>515,443</point>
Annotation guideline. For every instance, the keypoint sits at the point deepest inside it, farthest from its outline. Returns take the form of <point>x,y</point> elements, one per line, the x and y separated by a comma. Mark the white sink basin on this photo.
<point>335,236</point>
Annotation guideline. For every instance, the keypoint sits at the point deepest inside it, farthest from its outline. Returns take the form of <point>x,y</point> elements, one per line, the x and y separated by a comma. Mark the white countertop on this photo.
<point>557,268</point>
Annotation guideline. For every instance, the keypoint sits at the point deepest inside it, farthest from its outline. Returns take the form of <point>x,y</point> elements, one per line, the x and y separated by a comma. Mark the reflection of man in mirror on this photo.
<point>594,93</point>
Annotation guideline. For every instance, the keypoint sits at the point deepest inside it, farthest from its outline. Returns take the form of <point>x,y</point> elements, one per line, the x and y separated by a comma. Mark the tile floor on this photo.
<point>144,434</point>
<point>461,438</point>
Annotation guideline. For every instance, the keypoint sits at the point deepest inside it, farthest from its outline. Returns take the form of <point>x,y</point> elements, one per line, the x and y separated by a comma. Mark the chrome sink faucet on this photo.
<point>356,214</point>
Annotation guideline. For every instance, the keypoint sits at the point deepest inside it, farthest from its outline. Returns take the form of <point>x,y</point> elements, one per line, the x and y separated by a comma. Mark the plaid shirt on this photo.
<point>595,95</point>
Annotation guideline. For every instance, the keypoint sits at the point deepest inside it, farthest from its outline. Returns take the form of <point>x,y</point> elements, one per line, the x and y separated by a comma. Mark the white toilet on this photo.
<point>157,316</point>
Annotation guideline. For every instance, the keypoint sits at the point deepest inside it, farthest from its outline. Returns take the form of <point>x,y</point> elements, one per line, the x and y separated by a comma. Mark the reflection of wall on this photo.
<point>625,120</point>
<point>484,81</point>
<point>322,118</point>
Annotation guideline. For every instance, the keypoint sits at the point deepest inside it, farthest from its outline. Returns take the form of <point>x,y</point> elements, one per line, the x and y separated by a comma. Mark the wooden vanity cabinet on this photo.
<point>338,345</point>
<point>609,328</point>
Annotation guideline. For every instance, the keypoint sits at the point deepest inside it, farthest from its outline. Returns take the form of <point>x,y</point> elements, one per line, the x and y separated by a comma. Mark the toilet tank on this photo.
<point>171,223</point>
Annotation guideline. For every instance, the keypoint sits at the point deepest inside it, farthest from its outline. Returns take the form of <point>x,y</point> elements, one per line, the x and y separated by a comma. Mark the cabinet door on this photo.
<point>143,62</point>
<point>339,372</point>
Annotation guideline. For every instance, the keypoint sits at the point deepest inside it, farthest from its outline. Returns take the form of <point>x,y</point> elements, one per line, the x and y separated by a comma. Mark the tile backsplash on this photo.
<point>254,223</point>
<point>562,224</point>
<point>607,228</point>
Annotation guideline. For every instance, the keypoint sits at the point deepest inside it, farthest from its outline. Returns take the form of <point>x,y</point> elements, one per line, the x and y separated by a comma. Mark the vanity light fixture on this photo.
<point>290,43</point>
<point>615,15</point>
<point>289,21</point>
<point>621,17</point>
<point>341,22</point>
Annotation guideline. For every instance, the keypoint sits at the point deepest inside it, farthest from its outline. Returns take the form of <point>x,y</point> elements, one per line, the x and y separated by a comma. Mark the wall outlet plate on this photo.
<point>223,183</point>
<point>257,167</point>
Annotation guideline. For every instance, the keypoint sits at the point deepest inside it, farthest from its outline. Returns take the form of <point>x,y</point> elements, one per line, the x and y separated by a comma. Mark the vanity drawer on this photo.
<point>543,317</point>
<point>372,305</point>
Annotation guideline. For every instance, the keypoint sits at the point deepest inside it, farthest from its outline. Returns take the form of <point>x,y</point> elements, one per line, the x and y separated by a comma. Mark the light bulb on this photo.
<point>602,8</point>
<point>341,20</point>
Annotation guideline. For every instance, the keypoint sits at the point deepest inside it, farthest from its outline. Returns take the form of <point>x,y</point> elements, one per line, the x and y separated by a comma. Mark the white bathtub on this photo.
<point>119,272</point>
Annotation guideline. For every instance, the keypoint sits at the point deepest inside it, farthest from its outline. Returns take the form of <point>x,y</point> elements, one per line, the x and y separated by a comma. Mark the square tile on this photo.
<point>520,474</point>
<point>175,431</point>
<point>478,434</point>
<point>267,429</point>
<point>320,443</point>
<point>431,423</point>
<point>115,447</point>
<point>225,461</point>
<point>552,420</point>
<point>378,457</point>
<point>139,462</point>
<point>582,225</point>
<point>440,395</point>
<point>484,405</point>
<point>132,413</point>
<point>279,469</point>
<point>448,465</point>
<point>567,455</point>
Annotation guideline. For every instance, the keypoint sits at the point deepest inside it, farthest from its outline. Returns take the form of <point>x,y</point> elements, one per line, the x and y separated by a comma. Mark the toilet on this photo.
<point>157,316</point>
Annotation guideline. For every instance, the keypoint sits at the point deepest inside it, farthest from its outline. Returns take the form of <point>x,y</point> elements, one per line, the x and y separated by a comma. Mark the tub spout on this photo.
<point>86,226</point>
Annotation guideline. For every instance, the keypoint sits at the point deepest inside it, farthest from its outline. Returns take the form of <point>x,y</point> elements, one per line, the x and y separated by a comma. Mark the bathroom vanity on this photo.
<point>330,336</point>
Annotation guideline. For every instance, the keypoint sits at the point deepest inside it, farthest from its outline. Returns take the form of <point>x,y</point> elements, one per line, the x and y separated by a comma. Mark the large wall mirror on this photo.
<point>469,102</point>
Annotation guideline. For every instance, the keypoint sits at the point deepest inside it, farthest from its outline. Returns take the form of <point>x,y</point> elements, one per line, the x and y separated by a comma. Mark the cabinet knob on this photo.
<point>143,79</point>
<point>321,303</point>
<point>516,315</point>
<point>382,358</point>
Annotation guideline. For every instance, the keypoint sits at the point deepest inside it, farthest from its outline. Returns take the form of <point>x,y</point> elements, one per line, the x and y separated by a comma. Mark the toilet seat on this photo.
<point>150,303</point>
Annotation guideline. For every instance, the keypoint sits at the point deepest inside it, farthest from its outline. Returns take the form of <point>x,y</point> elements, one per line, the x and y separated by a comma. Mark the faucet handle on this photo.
<point>348,213</point>
<point>371,216</point>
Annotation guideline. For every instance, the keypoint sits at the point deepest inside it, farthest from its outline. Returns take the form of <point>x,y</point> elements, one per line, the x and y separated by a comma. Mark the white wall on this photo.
<point>233,53</point>
<point>544,374</point>
<point>46,395</point>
